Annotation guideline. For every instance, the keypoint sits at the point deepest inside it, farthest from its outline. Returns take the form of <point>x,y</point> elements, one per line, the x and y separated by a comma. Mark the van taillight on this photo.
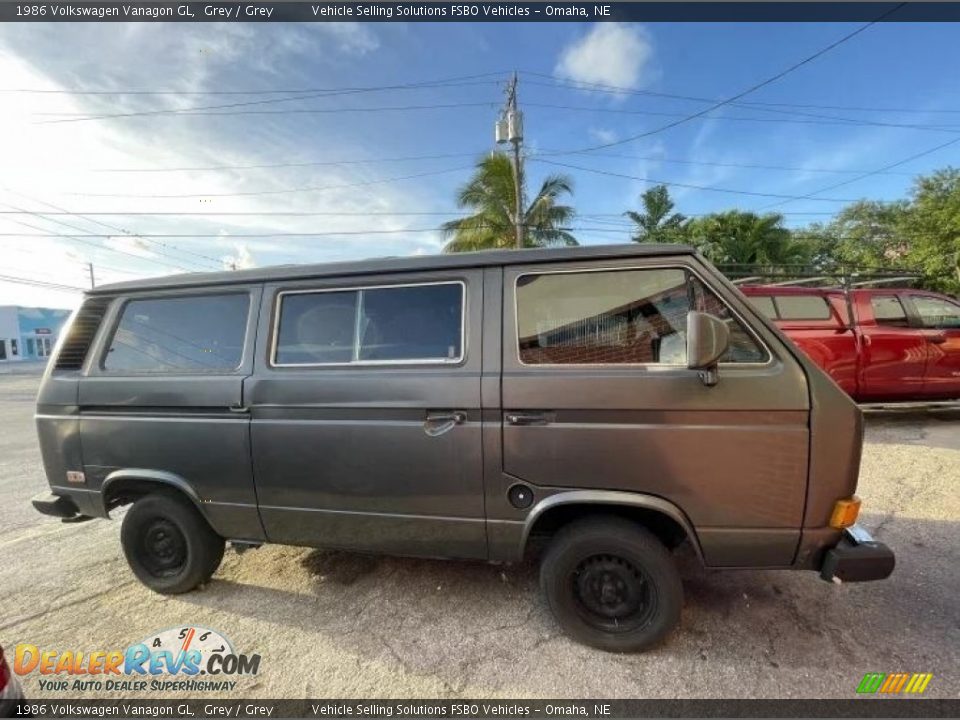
<point>73,350</point>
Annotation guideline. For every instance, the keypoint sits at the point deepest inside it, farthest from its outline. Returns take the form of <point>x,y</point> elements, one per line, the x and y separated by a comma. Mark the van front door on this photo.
<point>597,395</point>
<point>366,414</point>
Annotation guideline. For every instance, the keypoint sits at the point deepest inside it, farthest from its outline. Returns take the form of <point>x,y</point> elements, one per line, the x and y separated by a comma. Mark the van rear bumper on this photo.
<point>857,558</point>
<point>60,506</point>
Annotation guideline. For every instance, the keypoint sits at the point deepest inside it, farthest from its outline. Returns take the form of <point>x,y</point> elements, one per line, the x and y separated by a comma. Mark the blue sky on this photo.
<point>835,118</point>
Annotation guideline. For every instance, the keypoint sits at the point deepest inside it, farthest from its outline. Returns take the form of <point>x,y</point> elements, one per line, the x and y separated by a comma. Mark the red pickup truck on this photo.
<point>878,345</point>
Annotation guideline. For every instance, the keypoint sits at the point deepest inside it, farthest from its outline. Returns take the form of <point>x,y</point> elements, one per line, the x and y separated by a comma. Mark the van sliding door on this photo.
<point>366,413</point>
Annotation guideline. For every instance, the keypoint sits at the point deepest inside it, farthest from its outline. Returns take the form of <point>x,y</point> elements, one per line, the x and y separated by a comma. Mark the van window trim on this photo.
<point>770,361</point>
<point>278,307</point>
<point>101,360</point>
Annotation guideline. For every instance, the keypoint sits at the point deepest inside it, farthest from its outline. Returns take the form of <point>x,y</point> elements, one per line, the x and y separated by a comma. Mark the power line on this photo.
<point>623,90</point>
<point>80,263</point>
<point>885,168</point>
<point>309,111</point>
<point>271,213</point>
<point>38,283</point>
<point>122,231</point>
<point>324,233</point>
<point>270,166</point>
<point>314,188</point>
<point>749,90</point>
<point>82,240</point>
<point>817,120</point>
<point>748,166</point>
<point>691,186</point>
<point>266,213</point>
<point>288,91</point>
<point>292,98</point>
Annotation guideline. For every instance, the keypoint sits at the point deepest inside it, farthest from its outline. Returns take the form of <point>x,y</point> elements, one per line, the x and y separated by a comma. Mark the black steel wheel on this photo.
<point>168,544</point>
<point>611,584</point>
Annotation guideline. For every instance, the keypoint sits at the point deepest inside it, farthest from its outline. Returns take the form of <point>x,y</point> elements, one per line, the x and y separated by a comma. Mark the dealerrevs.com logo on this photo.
<point>188,658</point>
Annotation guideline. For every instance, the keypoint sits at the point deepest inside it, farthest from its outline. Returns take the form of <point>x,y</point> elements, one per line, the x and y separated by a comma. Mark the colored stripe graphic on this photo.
<point>893,683</point>
<point>870,683</point>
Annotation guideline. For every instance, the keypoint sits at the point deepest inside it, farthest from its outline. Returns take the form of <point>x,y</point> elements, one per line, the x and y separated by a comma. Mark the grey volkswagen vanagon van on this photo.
<point>602,404</point>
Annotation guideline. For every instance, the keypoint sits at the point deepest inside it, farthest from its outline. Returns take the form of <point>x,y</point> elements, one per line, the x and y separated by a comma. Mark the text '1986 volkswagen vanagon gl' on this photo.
<point>602,404</point>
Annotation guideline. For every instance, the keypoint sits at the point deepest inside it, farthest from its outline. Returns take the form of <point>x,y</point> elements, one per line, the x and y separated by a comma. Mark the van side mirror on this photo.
<point>707,340</point>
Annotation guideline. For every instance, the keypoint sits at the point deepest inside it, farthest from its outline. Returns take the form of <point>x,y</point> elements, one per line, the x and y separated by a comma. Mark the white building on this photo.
<point>29,333</point>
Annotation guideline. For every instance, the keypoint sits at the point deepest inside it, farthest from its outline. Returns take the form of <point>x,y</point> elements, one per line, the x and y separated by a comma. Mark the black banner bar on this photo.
<point>405,11</point>
<point>404,709</point>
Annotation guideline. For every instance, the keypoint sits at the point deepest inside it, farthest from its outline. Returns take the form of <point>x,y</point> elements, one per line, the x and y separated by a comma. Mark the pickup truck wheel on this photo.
<point>169,545</point>
<point>611,584</point>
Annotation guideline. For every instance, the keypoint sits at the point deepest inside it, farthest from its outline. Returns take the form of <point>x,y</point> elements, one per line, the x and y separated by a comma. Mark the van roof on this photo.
<point>413,263</point>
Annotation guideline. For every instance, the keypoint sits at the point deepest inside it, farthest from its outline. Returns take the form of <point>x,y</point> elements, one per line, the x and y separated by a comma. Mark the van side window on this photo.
<point>803,307</point>
<point>201,333</point>
<point>888,310</point>
<point>617,317</point>
<point>404,323</point>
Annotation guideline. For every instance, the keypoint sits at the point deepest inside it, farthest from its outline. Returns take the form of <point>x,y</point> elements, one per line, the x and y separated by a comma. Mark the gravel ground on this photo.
<point>334,624</point>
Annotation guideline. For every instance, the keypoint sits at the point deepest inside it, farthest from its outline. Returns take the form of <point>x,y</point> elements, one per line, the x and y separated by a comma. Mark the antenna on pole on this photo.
<point>509,129</point>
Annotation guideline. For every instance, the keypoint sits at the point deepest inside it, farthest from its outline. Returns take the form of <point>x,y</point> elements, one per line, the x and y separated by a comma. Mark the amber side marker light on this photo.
<point>845,513</point>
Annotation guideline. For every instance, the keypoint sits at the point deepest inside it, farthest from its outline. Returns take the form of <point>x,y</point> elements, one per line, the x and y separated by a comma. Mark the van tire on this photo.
<point>169,545</point>
<point>611,584</point>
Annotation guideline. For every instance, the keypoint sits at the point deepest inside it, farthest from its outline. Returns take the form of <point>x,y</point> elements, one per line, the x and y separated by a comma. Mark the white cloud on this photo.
<point>609,54</point>
<point>51,164</point>
<point>603,135</point>
<point>241,259</point>
<point>353,38</point>
<point>130,245</point>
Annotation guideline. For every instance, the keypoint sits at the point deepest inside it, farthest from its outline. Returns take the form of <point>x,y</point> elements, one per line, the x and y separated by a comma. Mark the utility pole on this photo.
<point>93,282</point>
<point>509,129</point>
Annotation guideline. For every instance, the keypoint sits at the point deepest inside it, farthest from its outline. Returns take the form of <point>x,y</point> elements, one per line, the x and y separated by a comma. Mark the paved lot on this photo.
<point>342,625</point>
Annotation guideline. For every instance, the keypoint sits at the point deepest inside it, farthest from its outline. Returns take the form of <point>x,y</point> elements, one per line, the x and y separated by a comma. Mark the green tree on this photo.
<point>865,234</point>
<point>931,229</point>
<point>738,237</point>
<point>657,222</point>
<point>490,195</point>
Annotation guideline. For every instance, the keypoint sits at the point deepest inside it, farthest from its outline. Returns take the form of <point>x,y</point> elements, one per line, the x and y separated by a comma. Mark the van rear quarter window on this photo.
<point>618,317</point>
<point>403,323</point>
<point>179,334</point>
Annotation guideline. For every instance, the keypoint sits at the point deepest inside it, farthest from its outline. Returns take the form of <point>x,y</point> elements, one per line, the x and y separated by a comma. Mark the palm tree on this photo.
<point>656,223</point>
<point>738,237</point>
<point>490,194</point>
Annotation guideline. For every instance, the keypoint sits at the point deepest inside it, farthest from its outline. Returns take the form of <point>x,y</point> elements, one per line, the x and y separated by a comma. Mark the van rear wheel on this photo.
<point>611,584</point>
<point>169,545</point>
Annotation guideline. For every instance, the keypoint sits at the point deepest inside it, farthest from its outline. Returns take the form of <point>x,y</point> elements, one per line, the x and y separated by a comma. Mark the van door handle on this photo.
<point>534,418</point>
<point>438,423</point>
<point>239,408</point>
<point>937,339</point>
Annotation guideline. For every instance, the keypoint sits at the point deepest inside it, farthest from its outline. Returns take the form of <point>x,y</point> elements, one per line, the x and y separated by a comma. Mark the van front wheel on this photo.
<point>169,545</point>
<point>611,584</point>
